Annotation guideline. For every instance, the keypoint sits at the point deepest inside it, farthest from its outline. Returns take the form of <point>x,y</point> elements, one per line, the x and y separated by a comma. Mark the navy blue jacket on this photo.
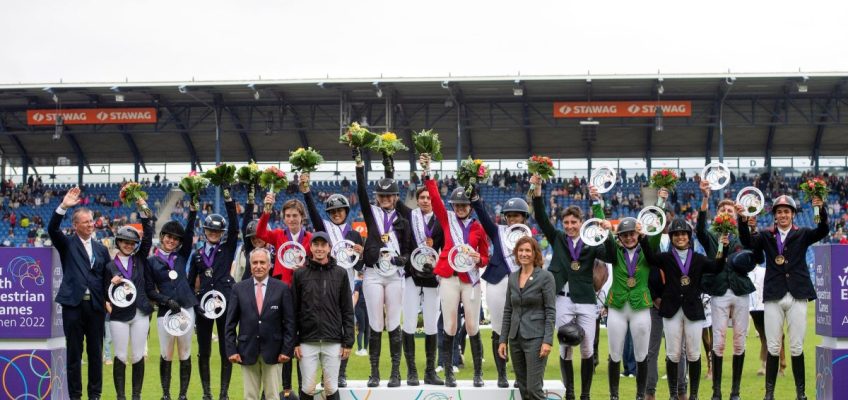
<point>498,267</point>
<point>251,334</point>
<point>160,287</point>
<point>78,273</point>
<point>221,279</point>
<point>142,303</point>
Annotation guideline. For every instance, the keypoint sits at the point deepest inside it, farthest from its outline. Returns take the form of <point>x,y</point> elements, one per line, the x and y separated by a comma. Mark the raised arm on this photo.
<point>542,220</point>
<point>188,233</point>
<point>364,201</point>
<point>439,210</point>
<point>703,235</point>
<point>649,251</point>
<point>314,216</point>
<point>822,228</point>
<point>232,227</point>
<point>488,224</point>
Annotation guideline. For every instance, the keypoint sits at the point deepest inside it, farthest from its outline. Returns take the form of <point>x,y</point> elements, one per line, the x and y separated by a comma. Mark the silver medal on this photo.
<point>173,275</point>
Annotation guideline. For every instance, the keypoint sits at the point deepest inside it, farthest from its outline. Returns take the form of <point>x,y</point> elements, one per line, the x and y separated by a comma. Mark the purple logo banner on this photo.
<point>831,281</point>
<point>33,374</point>
<point>27,280</point>
<point>831,370</point>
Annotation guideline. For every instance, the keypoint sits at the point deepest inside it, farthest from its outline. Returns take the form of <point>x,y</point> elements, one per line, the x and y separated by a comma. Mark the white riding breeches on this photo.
<point>426,300</point>
<point>452,291</point>
<point>381,291</point>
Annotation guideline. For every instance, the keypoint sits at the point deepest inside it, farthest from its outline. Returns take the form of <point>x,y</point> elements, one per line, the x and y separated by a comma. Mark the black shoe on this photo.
<point>185,377</point>
<point>566,371</point>
<point>738,363</point>
<point>500,363</point>
<point>430,376</point>
<point>205,377</point>
<point>137,379</point>
<point>772,365</point>
<point>342,374</point>
<point>409,355</point>
<point>613,371</point>
<point>303,396</point>
<point>447,349</point>
<point>119,377</point>
<point>641,379</point>
<point>395,344</point>
<point>477,356</point>
<point>587,370</point>
<point>694,378</point>
<point>800,379</point>
<point>165,377</point>
<point>226,374</point>
<point>375,343</point>
<point>717,362</point>
<point>671,374</point>
<point>291,396</point>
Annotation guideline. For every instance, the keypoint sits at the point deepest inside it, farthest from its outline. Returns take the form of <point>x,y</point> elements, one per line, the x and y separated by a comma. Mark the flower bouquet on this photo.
<point>248,175</point>
<point>131,192</point>
<point>427,142</point>
<point>305,159</point>
<point>541,165</point>
<point>223,176</point>
<point>723,224</point>
<point>273,179</point>
<point>470,173</point>
<point>357,137</point>
<point>664,179</point>
<point>388,144</point>
<point>815,187</point>
<point>193,185</point>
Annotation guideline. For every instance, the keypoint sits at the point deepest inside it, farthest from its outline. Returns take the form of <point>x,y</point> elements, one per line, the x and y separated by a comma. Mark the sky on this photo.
<point>71,41</point>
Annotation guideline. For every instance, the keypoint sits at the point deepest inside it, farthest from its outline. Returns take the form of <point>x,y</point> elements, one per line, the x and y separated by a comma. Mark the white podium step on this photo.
<point>358,390</point>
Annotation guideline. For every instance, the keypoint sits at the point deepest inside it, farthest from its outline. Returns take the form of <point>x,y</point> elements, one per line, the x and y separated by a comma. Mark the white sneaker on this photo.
<point>439,369</point>
<point>455,369</point>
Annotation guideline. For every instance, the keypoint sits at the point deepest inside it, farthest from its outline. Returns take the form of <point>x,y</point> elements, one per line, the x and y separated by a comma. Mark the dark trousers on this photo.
<point>83,324</point>
<point>363,329</point>
<point>628,358</point>
<point>529,368</point>
<point>204,336</point>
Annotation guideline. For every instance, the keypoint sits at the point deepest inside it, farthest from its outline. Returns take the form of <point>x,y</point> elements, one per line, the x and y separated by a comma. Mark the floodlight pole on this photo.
<point>729,82</point>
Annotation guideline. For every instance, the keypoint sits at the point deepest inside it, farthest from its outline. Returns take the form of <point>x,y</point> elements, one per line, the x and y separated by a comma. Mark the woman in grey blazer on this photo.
<point>528,320</point>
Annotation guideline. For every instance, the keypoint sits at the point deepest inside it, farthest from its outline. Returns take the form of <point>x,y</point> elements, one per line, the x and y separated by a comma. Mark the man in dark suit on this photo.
<point>261,309</point>
<point>81,293</point>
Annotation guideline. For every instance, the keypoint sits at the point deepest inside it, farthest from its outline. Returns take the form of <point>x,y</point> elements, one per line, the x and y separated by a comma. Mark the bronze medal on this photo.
<point>385,238</point>
<point>780,259</point>
<point>631,282</point>
<point>575,265</point>
<point>684,280</point>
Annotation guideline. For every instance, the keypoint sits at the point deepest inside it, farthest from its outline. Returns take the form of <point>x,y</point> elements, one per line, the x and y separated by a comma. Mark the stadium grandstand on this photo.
<point>771,130</point>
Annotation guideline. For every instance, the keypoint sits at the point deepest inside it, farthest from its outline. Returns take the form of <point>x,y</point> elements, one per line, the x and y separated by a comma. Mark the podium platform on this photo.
<point>358,390</point>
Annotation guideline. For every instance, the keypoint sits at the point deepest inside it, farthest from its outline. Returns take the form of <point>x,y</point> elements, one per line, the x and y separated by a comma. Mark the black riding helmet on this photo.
<point>626,225</point>
<point>570,334</point>
<point>517,205</point>
<point>128,234</point>
<point>172,228</point>
<point>215,222</point>
<point>458,196</point>
<point>679,224</point>
<point>387,186</point>
<point>335,202</point>
<point>250,231</point>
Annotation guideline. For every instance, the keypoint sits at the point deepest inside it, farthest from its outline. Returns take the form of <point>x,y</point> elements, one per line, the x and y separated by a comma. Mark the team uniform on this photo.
<point>572,266</point>
<point>454,286</point>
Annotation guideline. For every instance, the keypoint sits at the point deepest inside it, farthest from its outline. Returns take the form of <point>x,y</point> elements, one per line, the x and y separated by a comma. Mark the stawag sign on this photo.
<point>93,116</point>
<point>621,109</point>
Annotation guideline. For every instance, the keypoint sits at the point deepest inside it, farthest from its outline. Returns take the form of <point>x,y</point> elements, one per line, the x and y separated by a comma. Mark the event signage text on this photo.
<point>93,116</point>
<point>26,293</point>
<point>831,281</point>
<point>621,109</point>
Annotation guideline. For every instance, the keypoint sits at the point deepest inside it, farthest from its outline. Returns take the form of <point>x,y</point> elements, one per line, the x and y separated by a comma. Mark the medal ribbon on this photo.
<point>631,262</point>
<point>466,229</point>
<point>780,243</point>
<point>125,271</point>
<point>169,259</point>
<point>209,260</point>
<point>575,252</point>
<point>388,219</point>
<point>684,267</point>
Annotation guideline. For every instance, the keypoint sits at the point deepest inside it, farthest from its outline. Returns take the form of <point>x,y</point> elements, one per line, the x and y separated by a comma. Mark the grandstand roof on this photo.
<point>500,117</point>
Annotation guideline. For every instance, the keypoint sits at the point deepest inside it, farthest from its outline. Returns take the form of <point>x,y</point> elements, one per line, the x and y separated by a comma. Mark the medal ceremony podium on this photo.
<point>32,343</point>
<point>831,282</point>
<point>357,390</point>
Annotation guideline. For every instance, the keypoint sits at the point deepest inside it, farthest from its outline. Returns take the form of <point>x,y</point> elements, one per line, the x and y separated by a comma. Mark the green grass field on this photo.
<point>358,368</point>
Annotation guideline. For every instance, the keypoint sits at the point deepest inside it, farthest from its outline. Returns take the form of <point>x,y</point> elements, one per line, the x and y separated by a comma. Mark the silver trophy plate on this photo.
<point>459,258</point>
<point>652,219</point>
<point>752,201</point>
<point>593,233</point>
<point>292,255</point>
<point>178,324</point>
<point>123,294</point>
<point>344,253</point>
<point>717,174</point>
<point>515,232</point>
<point>384,264</point>
<point>603,178</point>
<point>423,255</point>
<point>214,304</point>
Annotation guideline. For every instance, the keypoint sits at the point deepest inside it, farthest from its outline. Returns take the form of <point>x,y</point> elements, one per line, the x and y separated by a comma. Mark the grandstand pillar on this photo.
<point>217,109</point>
<point>136,171</point>
<point>649,139</point>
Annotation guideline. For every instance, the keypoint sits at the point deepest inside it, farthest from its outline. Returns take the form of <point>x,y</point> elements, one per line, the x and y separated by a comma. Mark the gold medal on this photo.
<point>575,265</point>
<point>385,238</point>
<point>780,260</point>
<point>631,282</point>
<point>684,280</point>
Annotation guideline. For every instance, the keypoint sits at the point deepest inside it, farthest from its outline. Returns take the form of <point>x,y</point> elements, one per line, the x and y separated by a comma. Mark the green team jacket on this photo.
<point>580,289</point>
<point>728,278</point>
<point>639,296</point>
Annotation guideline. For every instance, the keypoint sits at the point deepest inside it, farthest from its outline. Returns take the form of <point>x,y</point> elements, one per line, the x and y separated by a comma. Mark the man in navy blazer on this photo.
<point>260,309</point>
<point>81,293</point>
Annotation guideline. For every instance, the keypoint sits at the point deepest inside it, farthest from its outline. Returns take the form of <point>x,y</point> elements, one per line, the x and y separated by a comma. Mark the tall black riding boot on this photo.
<point>717,361</point>
<point>671,373</point>
<point>613,372</point>
<point>165,377</point>
<point>375,343</point>
<point>800,379</point>
<point>641,379</point>
<point>205,377</point>
<point>566,371</point>
<point>738,363</point>
<point>772,364</point>
<point>343,373</point>
<point>694,378</point>
<point>119,376</point>
<point>137,379</point>
<point>226,374</point>
<point>409,355</point>
<point>395,343</point>
<point>477,355</point>
<point>587,369</point>
<point>500,363</point>
<point>430,376</point>
<point>185,377</point>
<point>447,350</point>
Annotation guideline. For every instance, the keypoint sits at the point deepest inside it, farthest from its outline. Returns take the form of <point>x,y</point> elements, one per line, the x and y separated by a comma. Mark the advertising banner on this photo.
<point>621,109</point>
<point>93,116</point>
<point>831,282</point>
<point>28,277</point>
